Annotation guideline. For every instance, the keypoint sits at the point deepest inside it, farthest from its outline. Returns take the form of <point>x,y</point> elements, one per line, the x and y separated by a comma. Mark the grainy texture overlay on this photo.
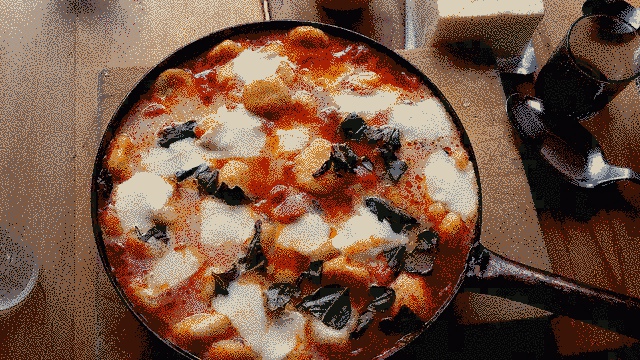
<point>65,65</point>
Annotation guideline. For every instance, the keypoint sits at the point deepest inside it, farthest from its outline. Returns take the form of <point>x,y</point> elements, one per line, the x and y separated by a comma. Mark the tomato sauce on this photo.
<point>277,193</point>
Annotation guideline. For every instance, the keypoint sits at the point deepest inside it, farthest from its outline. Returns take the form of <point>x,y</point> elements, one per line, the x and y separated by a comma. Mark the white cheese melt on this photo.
<point>181,155</point>
<point>426,120</point>
<point>253,65</point>
<point>292,140</point>
<point>309,236</point>
<point>170,271</point>
<point>363,234</point>
<point>446,183</point>
<point>366,104</point>
<point>222,223</point>
<point>236,132</point>
<point>138,198</point>
<point>244,306</point>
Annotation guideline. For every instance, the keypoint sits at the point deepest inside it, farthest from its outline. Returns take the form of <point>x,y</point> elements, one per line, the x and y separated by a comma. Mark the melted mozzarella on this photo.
<point>138,198</point>
<point>426,120</point>
<point>244,306</point>
<point>294,139</point>
<point>236,132</point>
<point>224,224</point>
<point>447,184</point>
<point>170,271</point>
<point>363,234</point>
<point>181,155</point>
<point>365,104</point>
<point>308,236</point>
<point>252,65</point>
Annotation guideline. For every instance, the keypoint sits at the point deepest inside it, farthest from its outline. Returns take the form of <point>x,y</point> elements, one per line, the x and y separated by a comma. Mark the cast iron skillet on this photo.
<point>485,272</point>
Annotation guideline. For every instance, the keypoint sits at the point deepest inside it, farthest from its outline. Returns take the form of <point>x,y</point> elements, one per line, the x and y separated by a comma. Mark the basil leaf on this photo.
<point>383,298</point>
<point>323,169</point>
<point>207,179</point>
<point>363,324</point>
<point>396,168</point>
<point>184,174</point>
<point>395,258</point>
<point>398,219</point>
<point>279,295</point>
<point>366,163</point>
<point>314,273</point>
<point>353,127</point>
<point>158,232</point>
<point>343,158</point>
<point>255,258</point>
<point>178,132</point>
<point>331,304</point>
<point>231,196</point>
<point>386,137</point>
<point>223,280</point>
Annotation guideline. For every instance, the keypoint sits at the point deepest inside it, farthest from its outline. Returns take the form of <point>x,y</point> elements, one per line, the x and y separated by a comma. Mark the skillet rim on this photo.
<point>199,46</point>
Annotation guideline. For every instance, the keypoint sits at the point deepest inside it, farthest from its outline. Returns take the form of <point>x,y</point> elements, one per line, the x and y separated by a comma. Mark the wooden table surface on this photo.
<point>64,47</point>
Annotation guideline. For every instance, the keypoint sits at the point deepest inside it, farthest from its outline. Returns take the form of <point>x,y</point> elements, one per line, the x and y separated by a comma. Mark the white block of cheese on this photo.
<point>505,25</point>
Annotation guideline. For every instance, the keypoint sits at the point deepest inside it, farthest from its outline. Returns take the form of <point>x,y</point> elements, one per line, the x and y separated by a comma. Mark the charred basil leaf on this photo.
<point>383,298</point>
<point>207,179</point>
<point>331,304</point>
<point>396,169</point>
<point>223,280</point>
<point>427,240</point>
<point>314,273</point>
<point>404,322</point>
<point>171,134</point>
<point>398,219</point>
<point>363,324</point>
<point>419,262</point>
<point>395,258</point>
<point>386,137</point>
<point>388,156</point>
<point>343,158</point>
<point>279,295</point>
<point>323,169</point>
<point>231,196</point>
<point>158,232</point>
<point>184,174</point>
<point>353,127</point>
<point>366,163</point>
<point>255,258</point>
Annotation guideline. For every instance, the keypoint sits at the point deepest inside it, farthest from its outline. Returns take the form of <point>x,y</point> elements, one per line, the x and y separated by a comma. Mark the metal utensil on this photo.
<point>571,149</point>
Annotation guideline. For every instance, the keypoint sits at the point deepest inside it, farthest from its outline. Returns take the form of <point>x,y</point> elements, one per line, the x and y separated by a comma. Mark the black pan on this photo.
<point>485,272</point>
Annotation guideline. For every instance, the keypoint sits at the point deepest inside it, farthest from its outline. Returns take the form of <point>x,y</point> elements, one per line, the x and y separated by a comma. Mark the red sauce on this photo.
<point>277,195</point>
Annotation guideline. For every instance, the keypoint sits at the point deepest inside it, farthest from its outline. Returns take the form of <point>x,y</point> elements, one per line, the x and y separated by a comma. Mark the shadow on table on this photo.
<point>448,339</point>
<point>551,192</point>
<point>533,338</point>
<point>465,55</point>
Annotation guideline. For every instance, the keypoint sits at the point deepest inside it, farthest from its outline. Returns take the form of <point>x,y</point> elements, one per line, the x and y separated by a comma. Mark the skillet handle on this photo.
<point>489,273</point>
